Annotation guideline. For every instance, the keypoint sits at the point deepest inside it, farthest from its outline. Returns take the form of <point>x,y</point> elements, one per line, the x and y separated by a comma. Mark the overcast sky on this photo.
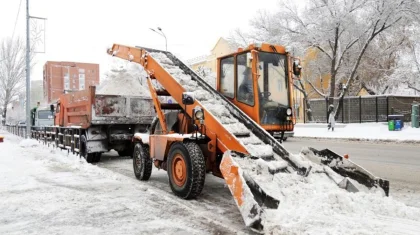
<point>81,31</point>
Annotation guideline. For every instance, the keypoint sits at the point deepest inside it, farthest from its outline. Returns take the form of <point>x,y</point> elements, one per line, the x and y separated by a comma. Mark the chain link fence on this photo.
<point>358,109</point>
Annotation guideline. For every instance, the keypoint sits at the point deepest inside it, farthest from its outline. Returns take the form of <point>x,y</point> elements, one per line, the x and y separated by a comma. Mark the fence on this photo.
<point>17,130</point>
<point>358,109</point>
<point>63,138</point>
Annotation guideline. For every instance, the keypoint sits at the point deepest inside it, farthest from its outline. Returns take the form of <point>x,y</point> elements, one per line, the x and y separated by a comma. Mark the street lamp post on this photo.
<point>160,32</point>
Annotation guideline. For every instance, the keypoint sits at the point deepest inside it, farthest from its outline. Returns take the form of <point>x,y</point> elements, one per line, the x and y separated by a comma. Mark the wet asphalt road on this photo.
<point>394,161</point>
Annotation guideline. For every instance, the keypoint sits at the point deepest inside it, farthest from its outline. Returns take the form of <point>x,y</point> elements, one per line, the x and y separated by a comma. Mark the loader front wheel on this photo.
<point>142,163</point>
<point>186,169</point>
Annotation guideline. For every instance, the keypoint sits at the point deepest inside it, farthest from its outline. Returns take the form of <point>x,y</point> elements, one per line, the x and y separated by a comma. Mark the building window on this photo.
<point>81,70</point>
<point>227,75</point>
<point>66,81</point>
<point>81,81</point>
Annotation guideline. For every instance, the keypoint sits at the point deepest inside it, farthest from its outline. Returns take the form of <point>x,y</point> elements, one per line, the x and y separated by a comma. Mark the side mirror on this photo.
<point>188,98</point>
<point>297,68</point>
<point>52,108</point>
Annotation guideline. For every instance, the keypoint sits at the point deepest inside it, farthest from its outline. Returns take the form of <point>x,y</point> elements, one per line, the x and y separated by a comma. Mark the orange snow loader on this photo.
<point>228,131</point>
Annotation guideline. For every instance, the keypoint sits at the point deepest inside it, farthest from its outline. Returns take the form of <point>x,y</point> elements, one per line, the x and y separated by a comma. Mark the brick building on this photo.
<point>63,77</point>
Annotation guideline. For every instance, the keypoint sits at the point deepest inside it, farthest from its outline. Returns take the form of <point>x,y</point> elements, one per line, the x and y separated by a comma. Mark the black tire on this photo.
<point>97,157</point>
<point>90,157</point>
<point>193,157</point>
<point>142,163</point>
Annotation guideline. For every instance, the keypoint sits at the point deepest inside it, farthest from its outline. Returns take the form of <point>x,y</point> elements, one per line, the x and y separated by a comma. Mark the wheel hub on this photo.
<point>179,170</point>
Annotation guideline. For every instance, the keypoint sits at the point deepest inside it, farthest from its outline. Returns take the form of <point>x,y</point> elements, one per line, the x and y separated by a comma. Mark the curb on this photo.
<point>395,141</point>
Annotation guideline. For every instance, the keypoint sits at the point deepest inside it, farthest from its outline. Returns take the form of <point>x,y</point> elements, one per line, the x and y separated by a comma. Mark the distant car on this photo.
<point>21,124</point>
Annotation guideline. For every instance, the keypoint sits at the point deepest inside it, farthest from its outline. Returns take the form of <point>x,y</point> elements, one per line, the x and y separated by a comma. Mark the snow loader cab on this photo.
<point>259,80</point>
<point>220,132</point>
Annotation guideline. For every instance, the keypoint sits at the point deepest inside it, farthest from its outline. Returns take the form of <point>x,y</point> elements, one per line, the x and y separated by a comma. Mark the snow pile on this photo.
<point>128,81</point>
<point>316,205</point>
<point>28,143</point>
<point>313,205</point>
<point>363,131</point>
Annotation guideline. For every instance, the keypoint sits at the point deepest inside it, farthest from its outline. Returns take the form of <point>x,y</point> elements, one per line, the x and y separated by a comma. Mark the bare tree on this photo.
<point>408,71</point>
<point>340,32</point>
<point>12,71</point>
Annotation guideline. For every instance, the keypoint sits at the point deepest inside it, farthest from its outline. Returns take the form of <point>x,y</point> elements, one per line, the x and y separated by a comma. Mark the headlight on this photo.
<point>289,111</point>
<point>199,114</point>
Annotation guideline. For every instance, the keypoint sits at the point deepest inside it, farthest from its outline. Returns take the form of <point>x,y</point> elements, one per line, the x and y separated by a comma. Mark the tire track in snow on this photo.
<point>214,208</point>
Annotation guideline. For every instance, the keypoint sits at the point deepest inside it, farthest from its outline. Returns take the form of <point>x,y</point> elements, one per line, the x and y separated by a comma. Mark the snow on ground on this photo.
<point>44,190</point>
<point>362,131</point>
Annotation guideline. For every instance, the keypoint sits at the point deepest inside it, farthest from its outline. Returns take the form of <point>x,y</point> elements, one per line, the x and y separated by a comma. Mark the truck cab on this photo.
<point>41,117</point>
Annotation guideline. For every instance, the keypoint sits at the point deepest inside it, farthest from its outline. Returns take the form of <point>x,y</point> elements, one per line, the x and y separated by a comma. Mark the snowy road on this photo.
<point>394,161</point>
<point>44,191</point>
<point>398,162</point>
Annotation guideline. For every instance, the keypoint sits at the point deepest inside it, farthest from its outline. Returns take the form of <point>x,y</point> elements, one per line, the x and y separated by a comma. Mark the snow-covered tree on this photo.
<point>339,32</point>
<point>12,71</point>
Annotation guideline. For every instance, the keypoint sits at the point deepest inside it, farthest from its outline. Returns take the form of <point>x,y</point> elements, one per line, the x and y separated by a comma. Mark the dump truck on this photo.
<point>90,123</point>
<point>214,131</point>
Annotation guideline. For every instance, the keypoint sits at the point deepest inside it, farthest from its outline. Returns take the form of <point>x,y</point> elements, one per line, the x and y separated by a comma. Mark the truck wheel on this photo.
<point>90,157</point>
<point>186,169</point>
<point>97,157</point>
<point>142,163</point>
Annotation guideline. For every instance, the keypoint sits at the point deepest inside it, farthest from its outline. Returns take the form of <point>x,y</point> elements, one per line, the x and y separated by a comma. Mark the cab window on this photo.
<point>245,85</point>
<point>57,110</point>
<point>227,73</point>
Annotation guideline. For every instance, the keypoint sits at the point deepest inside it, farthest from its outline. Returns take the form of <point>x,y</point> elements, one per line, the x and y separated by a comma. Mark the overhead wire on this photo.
<point>17,16</point>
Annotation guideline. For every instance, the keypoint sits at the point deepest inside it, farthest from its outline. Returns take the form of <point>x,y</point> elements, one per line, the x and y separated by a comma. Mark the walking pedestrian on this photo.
<point>331,118</point>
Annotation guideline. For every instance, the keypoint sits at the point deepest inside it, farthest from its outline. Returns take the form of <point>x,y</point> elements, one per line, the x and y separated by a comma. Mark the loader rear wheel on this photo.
<point>142,163</point>
<point>186,169</point>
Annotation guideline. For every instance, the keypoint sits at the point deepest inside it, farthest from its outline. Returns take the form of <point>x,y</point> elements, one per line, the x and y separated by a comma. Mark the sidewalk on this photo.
<point>356,131</point>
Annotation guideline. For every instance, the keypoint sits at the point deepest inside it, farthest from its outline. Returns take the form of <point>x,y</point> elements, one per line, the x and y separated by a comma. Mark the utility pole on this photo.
<point>28,71</point>
<point>28,78</point>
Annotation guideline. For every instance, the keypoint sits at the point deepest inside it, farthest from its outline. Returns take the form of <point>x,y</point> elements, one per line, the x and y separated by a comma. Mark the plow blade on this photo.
<point>256,184</point>
<point>349,170</point>
<point>249,197</point>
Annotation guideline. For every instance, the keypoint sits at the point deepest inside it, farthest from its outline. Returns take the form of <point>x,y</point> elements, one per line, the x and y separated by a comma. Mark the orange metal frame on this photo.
<point>218,135</point>
<point>253,111</point>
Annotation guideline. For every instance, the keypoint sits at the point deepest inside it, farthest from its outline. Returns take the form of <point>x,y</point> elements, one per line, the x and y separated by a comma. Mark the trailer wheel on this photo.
<point>90,157</point>
<point>186,169</point>
<point>142,163</point>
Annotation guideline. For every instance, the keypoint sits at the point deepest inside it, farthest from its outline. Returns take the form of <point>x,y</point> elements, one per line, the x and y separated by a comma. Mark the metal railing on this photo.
<point>67,138</point>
